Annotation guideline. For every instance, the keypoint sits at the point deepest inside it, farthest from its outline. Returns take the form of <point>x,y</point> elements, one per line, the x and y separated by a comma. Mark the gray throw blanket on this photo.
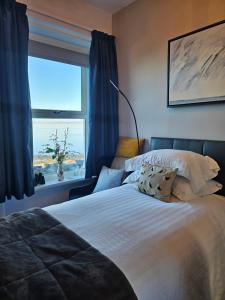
<point>40,259</point>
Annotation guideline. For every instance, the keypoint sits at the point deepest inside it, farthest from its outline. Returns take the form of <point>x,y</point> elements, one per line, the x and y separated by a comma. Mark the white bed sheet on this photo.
<point>168,251</point>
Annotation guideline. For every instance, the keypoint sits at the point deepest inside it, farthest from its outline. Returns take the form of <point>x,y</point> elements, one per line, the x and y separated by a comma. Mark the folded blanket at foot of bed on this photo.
<point>42,259</point>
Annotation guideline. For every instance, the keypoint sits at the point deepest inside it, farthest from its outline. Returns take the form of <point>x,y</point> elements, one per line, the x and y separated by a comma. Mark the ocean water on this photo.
<point>44,128</point>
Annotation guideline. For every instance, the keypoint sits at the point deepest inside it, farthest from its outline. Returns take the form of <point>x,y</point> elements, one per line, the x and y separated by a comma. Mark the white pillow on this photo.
<point>193,166</point>
<point>182,189</point>
<point>133,177</point>
<point>108,178</point>
<point>213,165</point>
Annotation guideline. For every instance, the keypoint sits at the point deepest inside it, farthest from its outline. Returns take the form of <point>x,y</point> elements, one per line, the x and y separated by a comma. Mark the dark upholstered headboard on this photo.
<point>214,149</point>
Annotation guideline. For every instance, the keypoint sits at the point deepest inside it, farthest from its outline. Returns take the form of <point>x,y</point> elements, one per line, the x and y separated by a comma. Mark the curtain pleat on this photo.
<point>103,103</point>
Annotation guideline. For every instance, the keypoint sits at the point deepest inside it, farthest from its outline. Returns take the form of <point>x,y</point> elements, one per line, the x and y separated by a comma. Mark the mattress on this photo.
<point>166,250</point>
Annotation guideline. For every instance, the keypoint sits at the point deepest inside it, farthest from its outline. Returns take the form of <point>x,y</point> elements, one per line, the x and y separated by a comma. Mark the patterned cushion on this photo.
<point>156,181</point>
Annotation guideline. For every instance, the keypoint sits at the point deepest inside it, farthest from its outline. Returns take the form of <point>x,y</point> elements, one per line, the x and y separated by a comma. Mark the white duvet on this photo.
<point>168,251</point>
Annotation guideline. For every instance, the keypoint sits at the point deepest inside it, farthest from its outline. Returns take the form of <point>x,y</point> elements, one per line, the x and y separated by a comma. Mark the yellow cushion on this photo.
<point>128,147</point>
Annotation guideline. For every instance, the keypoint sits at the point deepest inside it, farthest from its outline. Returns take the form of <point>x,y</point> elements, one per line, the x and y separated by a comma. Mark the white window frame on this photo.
<point>67,114</point>
<point>39,52</point>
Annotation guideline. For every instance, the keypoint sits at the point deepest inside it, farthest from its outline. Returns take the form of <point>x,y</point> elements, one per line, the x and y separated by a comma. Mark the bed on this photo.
<point>166,250</point>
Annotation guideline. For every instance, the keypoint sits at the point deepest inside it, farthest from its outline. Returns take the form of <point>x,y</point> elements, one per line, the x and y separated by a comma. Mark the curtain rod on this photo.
<point>58,20</point>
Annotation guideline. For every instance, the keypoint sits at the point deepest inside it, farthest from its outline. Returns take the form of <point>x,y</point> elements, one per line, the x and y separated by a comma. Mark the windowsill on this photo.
<point>56,184</point>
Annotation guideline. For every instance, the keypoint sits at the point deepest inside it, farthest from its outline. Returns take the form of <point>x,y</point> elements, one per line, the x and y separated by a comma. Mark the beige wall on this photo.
<point>142,32</point>
<point>74,11</point>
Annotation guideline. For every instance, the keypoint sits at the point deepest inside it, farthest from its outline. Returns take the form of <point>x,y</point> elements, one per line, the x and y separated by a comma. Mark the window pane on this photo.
<point>54,85</point>
<point>74,164</point>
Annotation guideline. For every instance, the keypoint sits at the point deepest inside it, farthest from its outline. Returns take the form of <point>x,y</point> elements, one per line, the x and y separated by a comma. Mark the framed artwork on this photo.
<point>196,67</point>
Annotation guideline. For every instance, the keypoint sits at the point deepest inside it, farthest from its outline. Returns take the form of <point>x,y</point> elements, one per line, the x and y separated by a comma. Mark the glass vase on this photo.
<point>60,172</point>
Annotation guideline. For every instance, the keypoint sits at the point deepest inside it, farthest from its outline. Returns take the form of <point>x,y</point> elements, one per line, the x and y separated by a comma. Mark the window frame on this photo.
<point>65,114</point>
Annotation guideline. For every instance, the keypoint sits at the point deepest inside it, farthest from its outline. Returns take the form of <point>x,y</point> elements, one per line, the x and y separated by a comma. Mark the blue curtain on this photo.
<point>103,103</point>
<point>16,171</point>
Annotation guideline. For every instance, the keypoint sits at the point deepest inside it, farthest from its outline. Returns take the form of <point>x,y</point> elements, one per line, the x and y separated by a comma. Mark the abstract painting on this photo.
<point>196,66</point>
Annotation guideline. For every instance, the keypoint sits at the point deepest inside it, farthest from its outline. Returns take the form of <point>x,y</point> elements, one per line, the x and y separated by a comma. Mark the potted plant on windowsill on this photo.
<point>59,150</point>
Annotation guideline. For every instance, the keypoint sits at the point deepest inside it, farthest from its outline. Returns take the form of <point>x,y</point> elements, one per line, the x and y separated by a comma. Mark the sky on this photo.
<point>54,85</point>
<point>57,86</point>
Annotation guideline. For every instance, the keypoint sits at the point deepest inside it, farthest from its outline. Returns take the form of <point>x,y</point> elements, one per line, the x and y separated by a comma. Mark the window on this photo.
<point>58,99</point>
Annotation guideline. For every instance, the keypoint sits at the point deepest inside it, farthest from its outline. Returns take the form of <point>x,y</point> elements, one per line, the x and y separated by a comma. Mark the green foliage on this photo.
<point>49,150</point>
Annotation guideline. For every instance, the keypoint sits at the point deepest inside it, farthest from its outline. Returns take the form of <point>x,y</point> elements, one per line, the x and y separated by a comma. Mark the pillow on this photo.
<point>213,165</point>
<point>193,166</point>
<point>108,178</point>
<point>156,181</point>
<point>133,177</point>
<point>182,189</point>
<point>128,147</point>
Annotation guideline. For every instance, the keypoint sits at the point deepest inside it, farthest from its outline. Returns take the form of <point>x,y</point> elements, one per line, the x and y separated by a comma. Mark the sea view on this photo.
<point>74,164</point>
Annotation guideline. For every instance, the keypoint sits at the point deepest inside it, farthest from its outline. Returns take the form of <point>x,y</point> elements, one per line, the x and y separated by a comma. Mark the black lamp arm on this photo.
<point>131,108</point>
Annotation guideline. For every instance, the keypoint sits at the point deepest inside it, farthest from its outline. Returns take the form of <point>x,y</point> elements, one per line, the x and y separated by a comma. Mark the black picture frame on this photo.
<point>195,101</point>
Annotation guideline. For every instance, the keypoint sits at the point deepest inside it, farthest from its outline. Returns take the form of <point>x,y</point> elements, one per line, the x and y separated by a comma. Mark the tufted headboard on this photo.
<point>214,149</point>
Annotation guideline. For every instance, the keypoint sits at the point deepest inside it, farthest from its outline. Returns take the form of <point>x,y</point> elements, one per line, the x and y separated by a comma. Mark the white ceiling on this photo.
<point>111,6</point>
